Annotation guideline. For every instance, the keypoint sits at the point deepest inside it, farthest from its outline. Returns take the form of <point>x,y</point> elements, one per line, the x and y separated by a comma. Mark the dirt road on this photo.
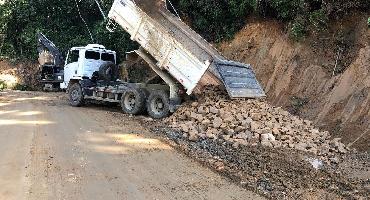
<point>50,150</point>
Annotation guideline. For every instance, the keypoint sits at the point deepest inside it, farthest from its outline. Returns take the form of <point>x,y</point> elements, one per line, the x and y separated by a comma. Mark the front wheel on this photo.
<point>75,93</point>
<point>158,105</point>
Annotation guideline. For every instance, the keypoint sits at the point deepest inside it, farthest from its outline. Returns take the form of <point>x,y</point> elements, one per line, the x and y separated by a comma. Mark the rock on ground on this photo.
<point>252,122</point>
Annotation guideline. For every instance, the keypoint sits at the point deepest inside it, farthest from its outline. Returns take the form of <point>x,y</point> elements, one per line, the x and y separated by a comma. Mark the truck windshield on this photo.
<point>92,55</point>
<point>108,57</point>
<point>73,56</point>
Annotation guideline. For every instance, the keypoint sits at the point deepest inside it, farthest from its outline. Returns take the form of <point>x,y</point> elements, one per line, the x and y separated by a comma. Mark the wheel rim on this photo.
<point>157,106</point>
<point>75,94</point>
<point>129,101</point>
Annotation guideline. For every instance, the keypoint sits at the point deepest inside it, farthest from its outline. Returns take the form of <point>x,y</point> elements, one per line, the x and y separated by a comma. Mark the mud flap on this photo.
<point>239,79</point>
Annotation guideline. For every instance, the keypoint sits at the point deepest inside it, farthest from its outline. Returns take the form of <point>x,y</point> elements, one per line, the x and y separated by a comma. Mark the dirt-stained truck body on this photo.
<point>183,60</point>
<point>180,51</point>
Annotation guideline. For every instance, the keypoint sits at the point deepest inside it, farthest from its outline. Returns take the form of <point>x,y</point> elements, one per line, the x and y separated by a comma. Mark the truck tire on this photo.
<point>108,72</point>
<point>158,105</point>
<point>75,94</point>
<point>133,101</point>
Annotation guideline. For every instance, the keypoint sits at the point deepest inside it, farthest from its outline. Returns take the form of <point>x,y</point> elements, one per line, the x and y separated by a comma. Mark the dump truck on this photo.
<point>183,60</point>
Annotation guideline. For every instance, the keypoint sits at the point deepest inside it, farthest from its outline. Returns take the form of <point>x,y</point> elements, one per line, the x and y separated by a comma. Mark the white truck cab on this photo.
<point>82,62</point>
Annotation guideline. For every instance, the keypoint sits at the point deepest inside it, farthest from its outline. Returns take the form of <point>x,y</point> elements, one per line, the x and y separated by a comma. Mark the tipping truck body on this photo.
<point>180,51</point>
<point>182,62</point>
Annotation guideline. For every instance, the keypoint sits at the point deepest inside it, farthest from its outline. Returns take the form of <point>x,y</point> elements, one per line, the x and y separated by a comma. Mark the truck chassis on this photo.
<point>134,98</point>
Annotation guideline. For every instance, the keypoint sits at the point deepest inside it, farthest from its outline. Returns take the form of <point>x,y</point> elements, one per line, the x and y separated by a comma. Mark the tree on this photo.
<point>60,21</point>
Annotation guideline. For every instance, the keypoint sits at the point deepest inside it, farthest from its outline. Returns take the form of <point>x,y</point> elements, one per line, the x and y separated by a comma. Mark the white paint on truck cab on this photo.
<point>82,62</point>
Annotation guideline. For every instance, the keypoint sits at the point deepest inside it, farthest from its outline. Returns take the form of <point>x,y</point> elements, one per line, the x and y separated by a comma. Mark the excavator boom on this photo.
<point>44,44</point>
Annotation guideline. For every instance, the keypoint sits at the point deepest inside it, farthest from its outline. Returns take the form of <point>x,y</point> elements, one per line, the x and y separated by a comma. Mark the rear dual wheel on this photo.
<point>133,101</point>
<point>158,105</point>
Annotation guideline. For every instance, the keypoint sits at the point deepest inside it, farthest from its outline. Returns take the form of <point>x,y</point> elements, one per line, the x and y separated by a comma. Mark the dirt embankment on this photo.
<point>21,75</point>
<point>326,79</point>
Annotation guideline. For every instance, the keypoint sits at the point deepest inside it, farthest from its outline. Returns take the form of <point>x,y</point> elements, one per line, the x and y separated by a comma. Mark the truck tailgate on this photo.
<point>239,79</point>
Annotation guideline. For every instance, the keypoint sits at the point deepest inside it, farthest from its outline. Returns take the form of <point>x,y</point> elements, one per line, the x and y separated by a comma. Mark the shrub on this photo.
<point>298,28</point>
<point>337,8</point>
<point>318,20</point>
<point>287,9</point>
<point>2,85</point>
<point>216,19</point>
<point>20,20</point>
<point>22,87</point>
<point>219,19</point>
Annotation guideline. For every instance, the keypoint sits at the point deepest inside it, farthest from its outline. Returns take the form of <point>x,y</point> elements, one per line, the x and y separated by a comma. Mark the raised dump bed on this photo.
<point>180,51</point>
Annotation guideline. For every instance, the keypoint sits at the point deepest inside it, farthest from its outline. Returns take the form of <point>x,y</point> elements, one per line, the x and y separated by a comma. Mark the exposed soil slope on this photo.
<point>23,73</point>
<point>299,75</point>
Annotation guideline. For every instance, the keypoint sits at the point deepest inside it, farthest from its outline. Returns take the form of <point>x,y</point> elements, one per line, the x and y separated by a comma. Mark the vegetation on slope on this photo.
<point>219,19</point>
<point>216,20</point>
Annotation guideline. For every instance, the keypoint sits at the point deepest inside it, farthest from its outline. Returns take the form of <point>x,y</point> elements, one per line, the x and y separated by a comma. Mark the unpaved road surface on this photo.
<point>50,150</point>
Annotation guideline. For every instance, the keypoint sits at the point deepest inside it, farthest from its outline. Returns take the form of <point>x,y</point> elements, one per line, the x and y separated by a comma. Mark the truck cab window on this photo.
<point>73,56</point>
<point>92,55</point>
<point>108,57</point>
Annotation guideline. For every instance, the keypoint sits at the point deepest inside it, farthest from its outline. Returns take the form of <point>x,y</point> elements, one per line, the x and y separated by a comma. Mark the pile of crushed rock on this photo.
<point>251,123</point>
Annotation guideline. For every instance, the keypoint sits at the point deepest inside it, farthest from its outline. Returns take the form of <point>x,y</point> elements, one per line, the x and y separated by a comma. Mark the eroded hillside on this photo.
<point>325,78</point>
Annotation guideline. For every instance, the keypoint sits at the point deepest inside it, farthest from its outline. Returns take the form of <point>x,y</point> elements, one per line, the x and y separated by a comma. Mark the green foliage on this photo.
<point>20,20</point>
<point>287,9</point>
<point>2,85</point>
<point>319,20</point>
<point>315,22</point>
<point>21,87</point>
<point>216,19</point>
<point>219,19</point>
<point>298,28</point>
<point>368,22</point>
<point>119,40</point>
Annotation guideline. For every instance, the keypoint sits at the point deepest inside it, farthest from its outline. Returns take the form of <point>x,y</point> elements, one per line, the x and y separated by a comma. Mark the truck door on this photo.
<point>71,67</point>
